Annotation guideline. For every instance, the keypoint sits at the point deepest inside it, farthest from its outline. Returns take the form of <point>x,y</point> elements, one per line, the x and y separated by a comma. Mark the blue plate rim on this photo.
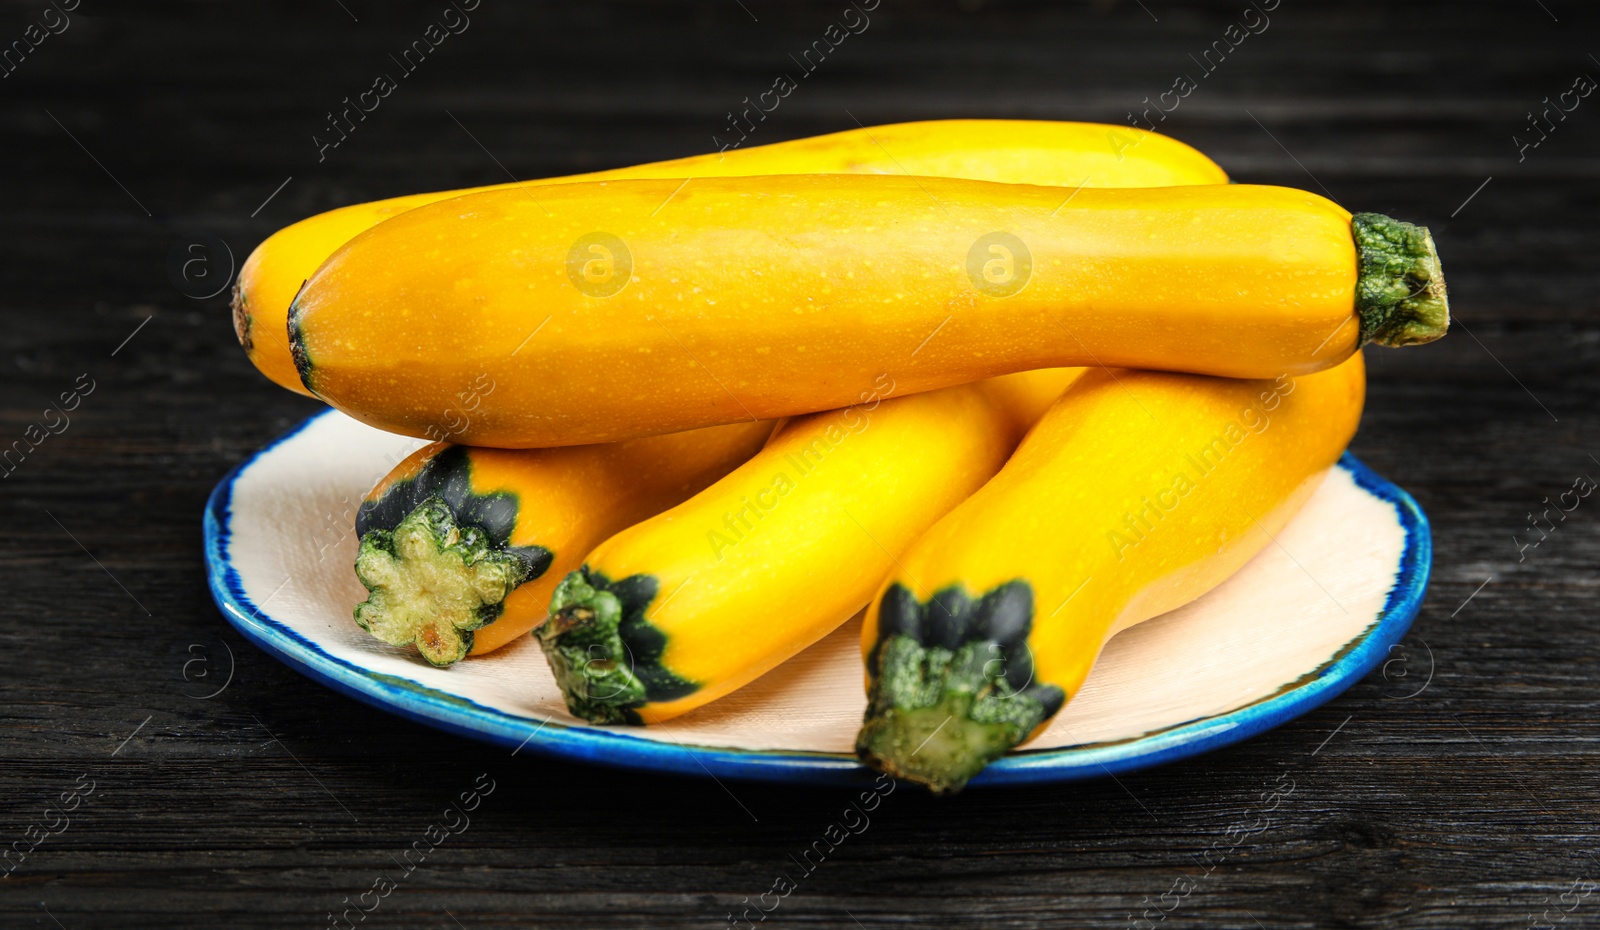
<point>462,717</point>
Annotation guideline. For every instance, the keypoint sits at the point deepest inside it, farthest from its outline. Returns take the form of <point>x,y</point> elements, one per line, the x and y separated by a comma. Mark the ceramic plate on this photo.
<point>1308,617</point>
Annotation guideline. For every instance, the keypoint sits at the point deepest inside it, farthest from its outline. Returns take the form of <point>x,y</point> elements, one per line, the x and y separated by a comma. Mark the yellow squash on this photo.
<point>584,492</point>
<point>1135,494</point>
<point>616,309</point>
<point>691,604</point>
<point>1010,151</point>
<point>461,546</point>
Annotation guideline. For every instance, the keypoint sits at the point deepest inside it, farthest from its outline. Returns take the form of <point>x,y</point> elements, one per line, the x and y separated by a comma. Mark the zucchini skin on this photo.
<point>775,296</point>
<point>536,511</point>
<point>1135,494</point>
<point>1008,151</point>
<point>694,603</point>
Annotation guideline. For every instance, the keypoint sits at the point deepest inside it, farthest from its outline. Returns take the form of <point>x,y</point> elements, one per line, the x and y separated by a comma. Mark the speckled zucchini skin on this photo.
<point>838,279</point>
<point>700,600</point>
<point>1010,151</point>
<point>1135,494</point>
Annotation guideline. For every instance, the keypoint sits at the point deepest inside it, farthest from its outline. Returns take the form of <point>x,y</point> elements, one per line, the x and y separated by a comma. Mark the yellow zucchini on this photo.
<point>1135,494</point>
<point>583,492</point>
<point>698,601</point>
<point>461,546</point>
<point>1009,151</point>
<point>623,308</point>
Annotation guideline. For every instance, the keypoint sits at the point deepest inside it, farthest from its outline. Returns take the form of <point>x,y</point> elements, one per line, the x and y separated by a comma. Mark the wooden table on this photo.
<point>142,128</point>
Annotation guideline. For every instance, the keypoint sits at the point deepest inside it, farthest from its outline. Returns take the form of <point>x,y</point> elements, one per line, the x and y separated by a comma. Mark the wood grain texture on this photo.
<point>1472,803</point>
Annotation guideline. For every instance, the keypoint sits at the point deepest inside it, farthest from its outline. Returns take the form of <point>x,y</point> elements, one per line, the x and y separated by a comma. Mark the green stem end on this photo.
<point>605,653</point>
<point>938,716</point>
<point>431,582</point>
<point>1400,292</point>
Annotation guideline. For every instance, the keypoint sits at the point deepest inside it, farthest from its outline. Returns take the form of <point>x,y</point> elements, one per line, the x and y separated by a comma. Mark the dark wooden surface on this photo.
<point>1472,803</point>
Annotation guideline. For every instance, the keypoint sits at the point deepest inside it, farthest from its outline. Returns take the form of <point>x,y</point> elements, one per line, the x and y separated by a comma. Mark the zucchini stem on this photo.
<point>937,719</point>
<point>605,654</point>
<point>240,305</point>
<point>431,582</point>
<point>1400,292</point>
<point>297,342</point>
<point>951,684</point>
